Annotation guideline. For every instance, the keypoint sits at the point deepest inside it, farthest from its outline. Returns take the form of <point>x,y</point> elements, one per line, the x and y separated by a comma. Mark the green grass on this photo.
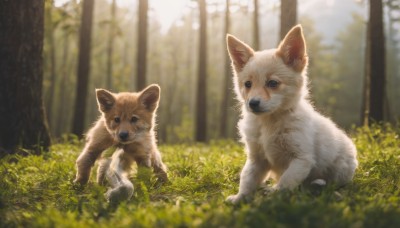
<point>37,191</point>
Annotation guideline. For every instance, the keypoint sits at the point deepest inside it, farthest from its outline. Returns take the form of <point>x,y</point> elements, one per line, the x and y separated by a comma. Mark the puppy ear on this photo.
<point>239,52</point>
<point>292,49</point>
<point>150,96</point>
<point>105,99</point>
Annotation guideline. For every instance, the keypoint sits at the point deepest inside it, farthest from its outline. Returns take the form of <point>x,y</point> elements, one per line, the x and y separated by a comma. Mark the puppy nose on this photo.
<point>123,135</point>
<point>254,103</point>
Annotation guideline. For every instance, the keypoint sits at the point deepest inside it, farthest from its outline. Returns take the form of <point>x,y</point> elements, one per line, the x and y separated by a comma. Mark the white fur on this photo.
<point>116,171</point>
<point>289,141</point>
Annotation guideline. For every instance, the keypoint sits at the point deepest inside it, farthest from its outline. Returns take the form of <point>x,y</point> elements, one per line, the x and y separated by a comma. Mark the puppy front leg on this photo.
<point>98,140</point>
<point>104,165</point>
<point>295,174</point>
<point>252,175</point>
<point>117,176</point>
<point>160,169</point>
<point>154,162</point>
<point>84,164</point>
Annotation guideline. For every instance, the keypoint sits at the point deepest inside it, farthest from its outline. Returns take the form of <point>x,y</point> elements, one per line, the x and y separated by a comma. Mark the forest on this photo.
<point>108,44</point>
<point>54,54</point>
<point>337,68</point>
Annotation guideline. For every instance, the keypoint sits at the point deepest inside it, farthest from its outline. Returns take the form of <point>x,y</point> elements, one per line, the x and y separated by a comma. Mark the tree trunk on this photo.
<point>256,33</point>
<point>288,16</point>
<point>142,46</point>
<point>62,108</point>
<point>22,116</point>
<point>367,83</point>
<point>110,48</point>
<point>377,62</point>
<point>85,37</point>
<point>201,108</point>
<point>227,96</point>
<point>50,95</point>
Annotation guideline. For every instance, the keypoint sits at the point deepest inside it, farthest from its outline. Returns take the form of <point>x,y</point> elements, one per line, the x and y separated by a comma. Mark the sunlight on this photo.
<point>167,12</point>
<point>58,3</point>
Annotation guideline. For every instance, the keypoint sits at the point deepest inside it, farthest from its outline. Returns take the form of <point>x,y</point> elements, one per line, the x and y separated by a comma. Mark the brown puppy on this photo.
<point>127,122</point>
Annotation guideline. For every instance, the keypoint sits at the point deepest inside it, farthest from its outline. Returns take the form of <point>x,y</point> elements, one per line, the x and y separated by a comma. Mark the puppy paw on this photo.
<point>318,182</point>
<point>238,198</point>
<point>163,178</point>
<point>317,186</point>
<point>80,180</point>
<point>120,193</point>
<point>266,190</point>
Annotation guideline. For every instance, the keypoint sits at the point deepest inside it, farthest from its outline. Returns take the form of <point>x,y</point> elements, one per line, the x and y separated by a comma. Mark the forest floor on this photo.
<point>37,191</point>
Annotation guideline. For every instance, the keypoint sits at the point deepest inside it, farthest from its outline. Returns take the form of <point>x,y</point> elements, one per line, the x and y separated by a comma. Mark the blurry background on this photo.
<point>335,31</point>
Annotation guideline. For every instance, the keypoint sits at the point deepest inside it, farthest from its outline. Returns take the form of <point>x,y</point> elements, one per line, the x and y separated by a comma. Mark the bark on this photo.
<point>22,116</point>
<point>256,33</point>
<point>142,46</point>
<point>227,95</point>
<point>50,96</point>
<point>367,83</point>
<point>377,62</point>
<point>201,108</point>
<point>288,16</point>
<point>85,37</point>
<point>110,49</point>
<point>62,108</point>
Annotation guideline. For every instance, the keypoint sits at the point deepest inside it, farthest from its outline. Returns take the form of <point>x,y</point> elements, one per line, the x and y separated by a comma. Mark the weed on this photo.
<point>37,191</point>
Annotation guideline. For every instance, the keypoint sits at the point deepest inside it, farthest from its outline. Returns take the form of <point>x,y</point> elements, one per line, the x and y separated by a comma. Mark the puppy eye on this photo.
<point>272,84</point>
<point>117,119</point>
<point>247,84</point>
<point>134,119</point>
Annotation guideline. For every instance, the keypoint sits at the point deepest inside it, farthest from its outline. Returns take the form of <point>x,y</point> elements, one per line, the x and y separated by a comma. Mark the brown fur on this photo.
<point>129,113</point>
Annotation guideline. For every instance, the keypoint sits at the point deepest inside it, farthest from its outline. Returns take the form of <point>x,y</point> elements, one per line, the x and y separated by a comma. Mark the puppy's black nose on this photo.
<point>123,135</point>
<point>254,104</point>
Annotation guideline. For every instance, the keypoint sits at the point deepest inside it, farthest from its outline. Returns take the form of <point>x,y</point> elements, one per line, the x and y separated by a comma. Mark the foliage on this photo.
<point>336,66</point>
<point>350,77</point>
<point>36,191</point>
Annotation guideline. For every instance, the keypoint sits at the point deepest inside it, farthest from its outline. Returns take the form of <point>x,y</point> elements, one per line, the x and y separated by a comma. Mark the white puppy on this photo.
<point>285,138</point>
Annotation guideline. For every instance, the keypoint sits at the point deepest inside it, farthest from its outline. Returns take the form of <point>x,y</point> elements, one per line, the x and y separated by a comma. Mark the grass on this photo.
<point>37,191</point>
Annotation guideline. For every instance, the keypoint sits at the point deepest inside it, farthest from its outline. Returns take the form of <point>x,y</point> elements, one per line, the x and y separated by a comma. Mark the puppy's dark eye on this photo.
<point>117,120</point>
<point>134,119</point>
<point>272,84</point>
<point>247,84</point>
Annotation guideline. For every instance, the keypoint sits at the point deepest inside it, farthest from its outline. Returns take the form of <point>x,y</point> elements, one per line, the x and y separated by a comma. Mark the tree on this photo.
<point>226,97</point>
<point>393,58</point>
<point>366,85</point>
<point>22,117</point>
<point>110,48</point>
<point>52,52</point>
<point>85,37</point>
<point>288,16</point>
<point>69,21</point>
<point>256,33</point>
<point>201,108</point>
<point>142,45</point>
<point>376,62</point>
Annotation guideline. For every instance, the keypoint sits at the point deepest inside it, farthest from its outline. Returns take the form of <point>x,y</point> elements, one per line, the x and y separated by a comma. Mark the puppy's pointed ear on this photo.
<point>105,99</point>
<point>239,52</point>
<point>150,96</point>
<point>292,49</point>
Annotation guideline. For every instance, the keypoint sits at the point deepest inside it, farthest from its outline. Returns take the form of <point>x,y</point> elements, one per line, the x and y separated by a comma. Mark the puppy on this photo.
<point>285,138</point>
<point>127,122</point>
